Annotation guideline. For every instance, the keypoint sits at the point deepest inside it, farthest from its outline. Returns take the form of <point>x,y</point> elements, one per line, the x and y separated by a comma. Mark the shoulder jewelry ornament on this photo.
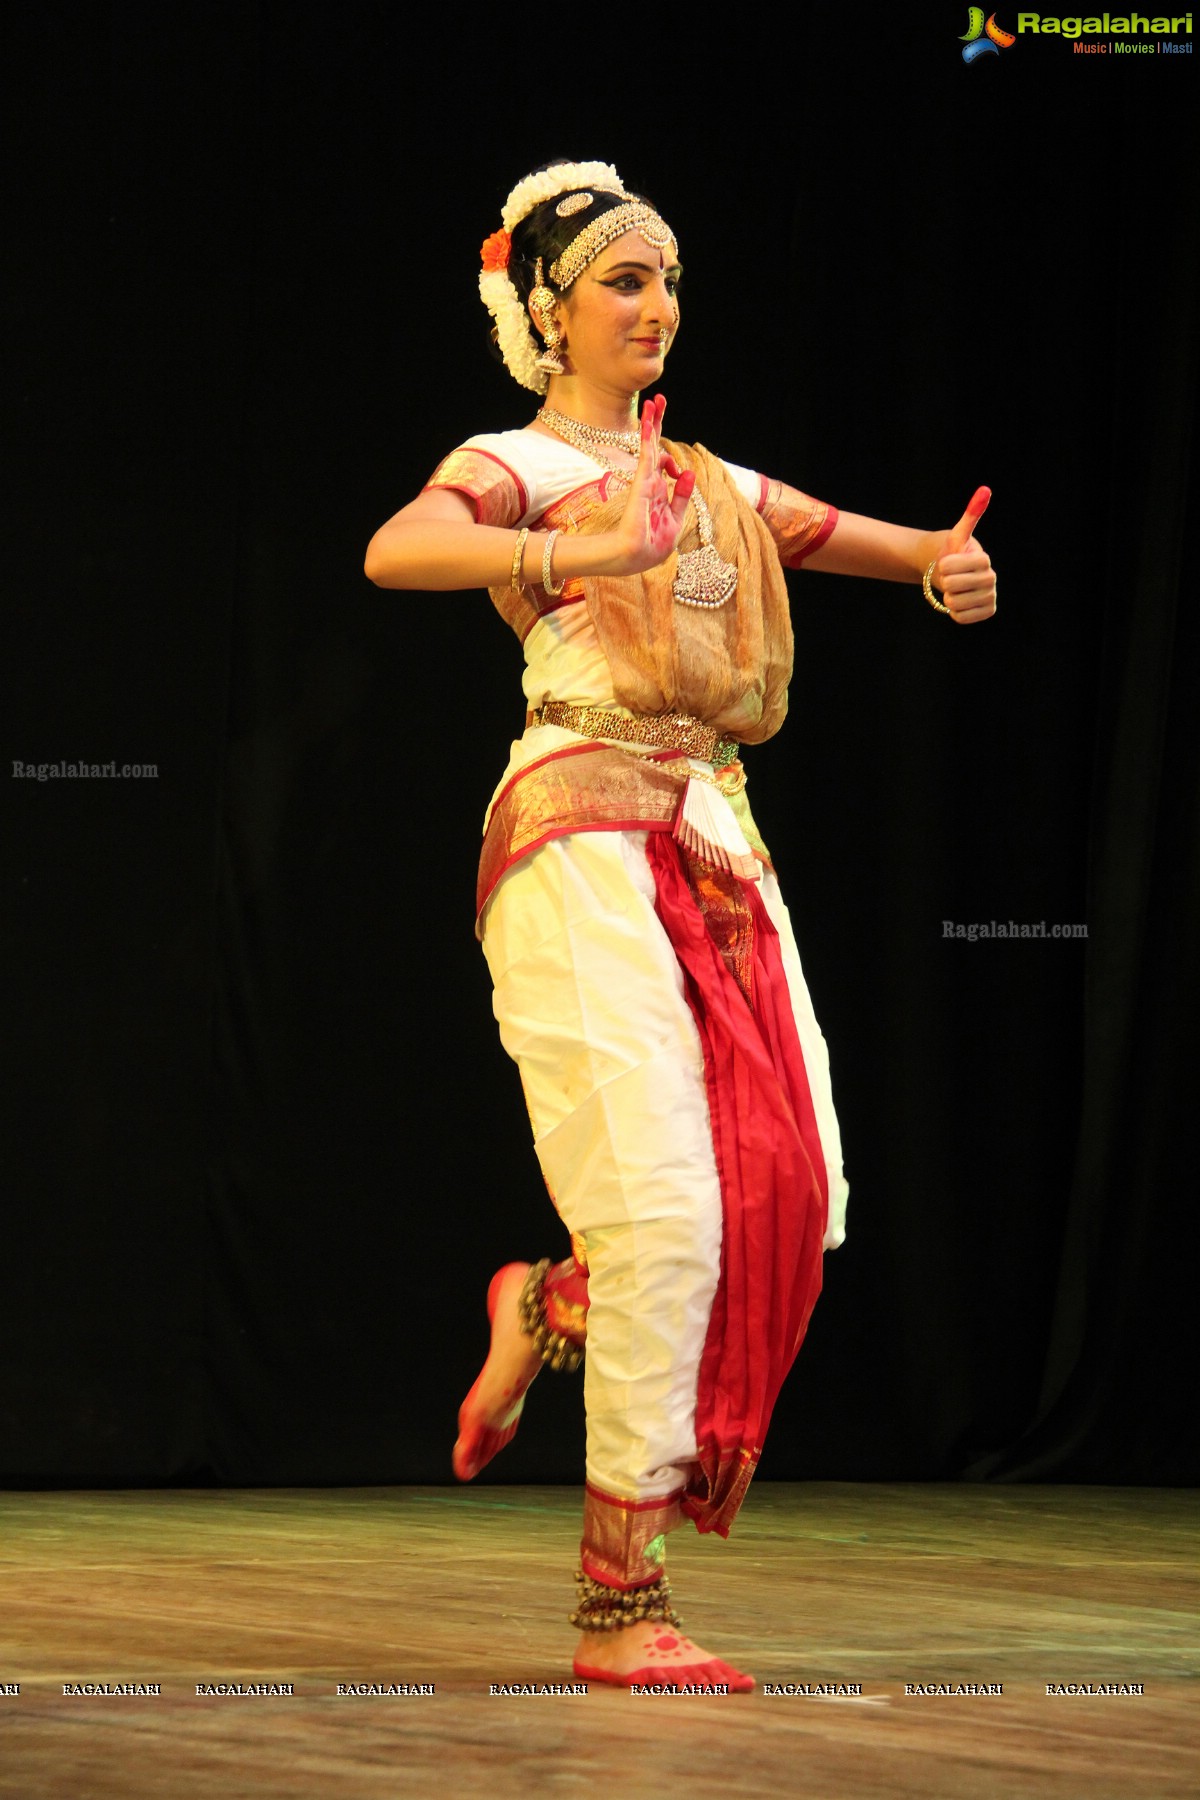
<point>541,311</point>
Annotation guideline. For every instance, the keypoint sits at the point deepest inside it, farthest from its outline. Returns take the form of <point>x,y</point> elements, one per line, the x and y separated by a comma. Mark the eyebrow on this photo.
<point>645,267</point>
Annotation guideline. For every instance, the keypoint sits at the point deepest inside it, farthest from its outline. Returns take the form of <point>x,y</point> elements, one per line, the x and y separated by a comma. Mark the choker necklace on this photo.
<point>589,438</point>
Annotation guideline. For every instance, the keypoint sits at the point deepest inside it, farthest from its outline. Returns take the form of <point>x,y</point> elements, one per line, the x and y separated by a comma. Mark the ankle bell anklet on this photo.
<point>551,1345</point>
<point>607,1608</point>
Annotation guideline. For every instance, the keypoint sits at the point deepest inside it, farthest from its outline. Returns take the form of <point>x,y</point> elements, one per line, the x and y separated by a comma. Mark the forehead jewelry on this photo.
<point>633,215</point>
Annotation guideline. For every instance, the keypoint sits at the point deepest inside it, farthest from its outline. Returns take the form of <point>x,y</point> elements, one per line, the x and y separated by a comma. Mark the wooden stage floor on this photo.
<point>873,1587</point>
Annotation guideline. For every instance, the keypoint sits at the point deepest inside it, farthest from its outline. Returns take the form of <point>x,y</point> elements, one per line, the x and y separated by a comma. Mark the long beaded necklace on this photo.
<point>702,577</point>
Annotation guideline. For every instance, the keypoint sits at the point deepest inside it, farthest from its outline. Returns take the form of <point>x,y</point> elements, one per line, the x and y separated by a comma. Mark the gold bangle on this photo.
<point>547,576</point>
<point>927,585</point>
<point>514,580</point>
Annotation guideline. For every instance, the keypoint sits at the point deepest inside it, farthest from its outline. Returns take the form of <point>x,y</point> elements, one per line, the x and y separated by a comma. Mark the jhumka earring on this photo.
<point>541,310</point>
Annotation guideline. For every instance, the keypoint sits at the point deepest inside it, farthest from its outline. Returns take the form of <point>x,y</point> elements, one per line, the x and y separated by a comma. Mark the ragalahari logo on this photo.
<point>981,39</point>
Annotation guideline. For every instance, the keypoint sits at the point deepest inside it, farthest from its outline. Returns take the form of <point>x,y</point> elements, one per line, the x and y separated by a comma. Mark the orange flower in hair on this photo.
<point>496,250</point>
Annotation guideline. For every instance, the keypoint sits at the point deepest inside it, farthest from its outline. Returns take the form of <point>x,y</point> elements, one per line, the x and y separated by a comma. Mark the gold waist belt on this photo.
<point>662,731</point>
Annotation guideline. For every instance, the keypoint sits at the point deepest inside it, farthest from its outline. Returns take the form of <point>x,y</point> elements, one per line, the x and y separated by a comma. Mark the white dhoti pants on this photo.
<point>590,1003</point>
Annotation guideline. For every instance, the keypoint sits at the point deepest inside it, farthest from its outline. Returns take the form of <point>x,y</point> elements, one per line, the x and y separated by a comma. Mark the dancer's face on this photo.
<point>621,315</point>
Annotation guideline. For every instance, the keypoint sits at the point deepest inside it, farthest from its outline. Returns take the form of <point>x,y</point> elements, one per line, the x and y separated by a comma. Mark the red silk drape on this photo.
<point>774,1188</point>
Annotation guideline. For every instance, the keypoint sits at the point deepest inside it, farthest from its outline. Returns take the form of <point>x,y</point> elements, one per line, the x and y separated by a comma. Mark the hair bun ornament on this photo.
<point>574,203</point>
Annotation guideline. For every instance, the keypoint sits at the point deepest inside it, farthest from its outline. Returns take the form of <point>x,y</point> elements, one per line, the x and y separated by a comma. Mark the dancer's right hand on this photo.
<point>649,527</point>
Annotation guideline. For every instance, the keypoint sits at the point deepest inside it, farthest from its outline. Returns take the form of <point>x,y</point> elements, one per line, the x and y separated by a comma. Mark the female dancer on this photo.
<point>646,978</point>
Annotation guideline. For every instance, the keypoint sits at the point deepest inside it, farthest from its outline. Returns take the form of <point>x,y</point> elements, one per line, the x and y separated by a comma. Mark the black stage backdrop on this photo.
<point>266,1147</point>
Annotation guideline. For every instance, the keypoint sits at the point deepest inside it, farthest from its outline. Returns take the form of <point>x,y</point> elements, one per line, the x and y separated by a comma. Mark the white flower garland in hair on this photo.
<point>516,341</point>
<point>518,345</point>
<point>534,189</point>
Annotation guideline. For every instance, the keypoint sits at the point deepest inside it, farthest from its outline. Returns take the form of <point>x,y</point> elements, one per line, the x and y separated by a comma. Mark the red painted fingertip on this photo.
<point>978,503</point>
<point>686,482</point>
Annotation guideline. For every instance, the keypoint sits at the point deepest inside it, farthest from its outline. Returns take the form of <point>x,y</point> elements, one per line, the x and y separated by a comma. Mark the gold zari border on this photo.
<point>624,1541</point>
<point>793,519</point>
<point>592,787</point>
<point>715,1494</point>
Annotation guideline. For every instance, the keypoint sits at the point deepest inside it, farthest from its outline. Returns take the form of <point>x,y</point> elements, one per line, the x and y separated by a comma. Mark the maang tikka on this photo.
<point>541,310</point>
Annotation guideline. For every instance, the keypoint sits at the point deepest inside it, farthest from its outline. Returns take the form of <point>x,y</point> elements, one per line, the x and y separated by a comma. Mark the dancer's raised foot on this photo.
<point>650,1652</point>
<point>488,1417</point>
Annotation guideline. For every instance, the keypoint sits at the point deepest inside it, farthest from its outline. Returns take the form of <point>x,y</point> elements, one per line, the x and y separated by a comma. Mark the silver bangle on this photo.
<point>547,579</point>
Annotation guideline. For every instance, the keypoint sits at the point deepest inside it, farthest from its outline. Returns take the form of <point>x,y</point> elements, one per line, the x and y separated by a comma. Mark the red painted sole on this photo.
<point>494,1285</point>
<point>705,1674</point>
<point>479,1442</point>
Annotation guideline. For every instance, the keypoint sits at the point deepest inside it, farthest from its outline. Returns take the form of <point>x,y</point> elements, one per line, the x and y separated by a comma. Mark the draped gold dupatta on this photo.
<point>727,665</point>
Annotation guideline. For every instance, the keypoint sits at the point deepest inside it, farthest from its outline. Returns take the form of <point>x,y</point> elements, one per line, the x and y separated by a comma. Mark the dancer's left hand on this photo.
<point>962,570</point>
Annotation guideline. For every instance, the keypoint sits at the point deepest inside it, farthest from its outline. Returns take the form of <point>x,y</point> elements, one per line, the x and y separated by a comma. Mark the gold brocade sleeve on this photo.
<point>798,523</point>
<point>495,490</point>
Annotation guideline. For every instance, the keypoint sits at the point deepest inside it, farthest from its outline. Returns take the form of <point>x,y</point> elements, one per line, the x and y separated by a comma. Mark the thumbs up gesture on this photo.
<point>962,568</point>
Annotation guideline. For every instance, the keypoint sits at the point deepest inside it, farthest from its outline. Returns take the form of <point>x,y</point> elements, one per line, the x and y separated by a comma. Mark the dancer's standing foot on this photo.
<point>488,1417</point>
<point>652,1652</point>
